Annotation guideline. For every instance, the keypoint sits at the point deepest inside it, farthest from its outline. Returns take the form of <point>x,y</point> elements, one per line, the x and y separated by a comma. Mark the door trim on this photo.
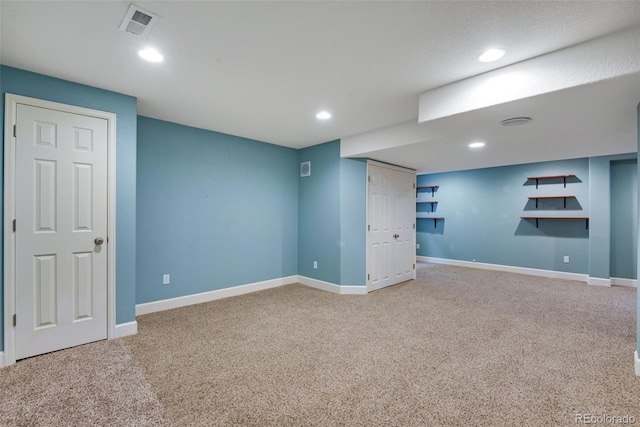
<point>395,168</point>
<point>11,108</point>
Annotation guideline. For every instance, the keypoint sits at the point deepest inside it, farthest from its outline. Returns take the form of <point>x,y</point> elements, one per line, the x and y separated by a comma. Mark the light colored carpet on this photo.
<point>455,347</point>
<point>91,385</point>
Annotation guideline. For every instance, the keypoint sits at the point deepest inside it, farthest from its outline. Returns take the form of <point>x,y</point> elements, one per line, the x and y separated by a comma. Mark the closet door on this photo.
<point>404,219</point>
<point>380,230</point>
<point>390,226</point>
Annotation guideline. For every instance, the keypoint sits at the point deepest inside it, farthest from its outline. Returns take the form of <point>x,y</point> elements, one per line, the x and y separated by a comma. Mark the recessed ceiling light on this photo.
<point>491,55</point>
<point>151,55</point>
<point>323,115</point>
<point>476,144</point>
<point>515,121</point>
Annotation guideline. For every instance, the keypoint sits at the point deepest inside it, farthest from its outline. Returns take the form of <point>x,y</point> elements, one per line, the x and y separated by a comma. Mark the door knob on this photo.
<point>395,236</point>
<point>98,241</point>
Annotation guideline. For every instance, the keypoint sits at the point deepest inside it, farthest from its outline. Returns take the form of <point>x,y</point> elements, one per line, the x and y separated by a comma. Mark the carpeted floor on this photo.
<point>91,385</point>
<point>456,347</point>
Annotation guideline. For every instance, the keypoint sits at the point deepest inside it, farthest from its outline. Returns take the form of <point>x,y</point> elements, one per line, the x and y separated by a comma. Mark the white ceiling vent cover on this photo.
<point>139,21</point>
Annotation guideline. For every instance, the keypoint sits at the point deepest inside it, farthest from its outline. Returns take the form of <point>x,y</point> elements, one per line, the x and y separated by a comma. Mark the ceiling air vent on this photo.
<point>515,121</point>
<point>139,21</point>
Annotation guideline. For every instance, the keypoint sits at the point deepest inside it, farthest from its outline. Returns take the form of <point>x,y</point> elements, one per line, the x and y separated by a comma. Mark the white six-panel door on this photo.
<point>390,228</point>
<point>404,221</point>
<point>61,215</point>
<point>380,251</point>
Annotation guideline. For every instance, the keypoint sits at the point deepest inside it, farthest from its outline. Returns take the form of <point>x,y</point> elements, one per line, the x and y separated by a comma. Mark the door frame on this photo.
<point>367,253</point>
<point>9,273</point>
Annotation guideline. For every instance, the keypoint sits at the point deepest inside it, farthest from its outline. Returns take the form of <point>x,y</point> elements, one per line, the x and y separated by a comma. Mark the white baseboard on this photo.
<point>618,281</point>
<point>636,362</point>
<point>126,329</point>
<point>507,268</point>
<point>598,281</point>
<point>319,284</point>
<point>332,287</point>
<point>168,304</point>
<point>2,359</point>
<point>353,290</point>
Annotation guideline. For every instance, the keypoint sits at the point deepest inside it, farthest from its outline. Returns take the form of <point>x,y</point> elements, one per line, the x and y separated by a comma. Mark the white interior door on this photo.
<point>391,232</point>
<point>61,215</point>
<point>380,250</point>
<point>404,222</point>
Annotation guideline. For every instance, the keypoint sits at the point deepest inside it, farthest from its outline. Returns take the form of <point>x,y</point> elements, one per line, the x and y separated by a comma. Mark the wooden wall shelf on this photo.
<point>536,198</point>
<point>434,218</point>
<point>563,177</point>
<point>432,187</point>
<point>558,218</point>
<point>431,202</point>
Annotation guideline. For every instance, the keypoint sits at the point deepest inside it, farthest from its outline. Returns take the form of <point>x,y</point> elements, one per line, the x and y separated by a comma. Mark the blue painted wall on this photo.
<point>319,213</point>
<point>214,210</point>
<point>20,82</point>
<point>353,222</point>
<point>482,210</point>
<point>624,218</point>
<point>600,222</point>
<point>332,217</point>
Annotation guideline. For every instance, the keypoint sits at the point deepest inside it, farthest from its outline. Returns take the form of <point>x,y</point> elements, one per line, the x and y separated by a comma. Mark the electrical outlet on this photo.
<point>166,279</point>
<point>566,259</point>
<point>315,265</point>
<point>417,245</point>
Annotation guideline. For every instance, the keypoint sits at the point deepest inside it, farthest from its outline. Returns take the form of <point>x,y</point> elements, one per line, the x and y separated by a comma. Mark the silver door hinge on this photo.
<point>15,131</point>
<point>368,227</point>
<point>414,266</point>
<point>369,178</point>
<point>14,320</point>
<point>414,185</point>
<point>414,225</point>
<point>13,225</point>
<point>368,277</point>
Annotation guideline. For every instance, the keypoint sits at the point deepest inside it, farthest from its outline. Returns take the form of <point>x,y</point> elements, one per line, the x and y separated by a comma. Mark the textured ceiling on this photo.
<point>263,69</point>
